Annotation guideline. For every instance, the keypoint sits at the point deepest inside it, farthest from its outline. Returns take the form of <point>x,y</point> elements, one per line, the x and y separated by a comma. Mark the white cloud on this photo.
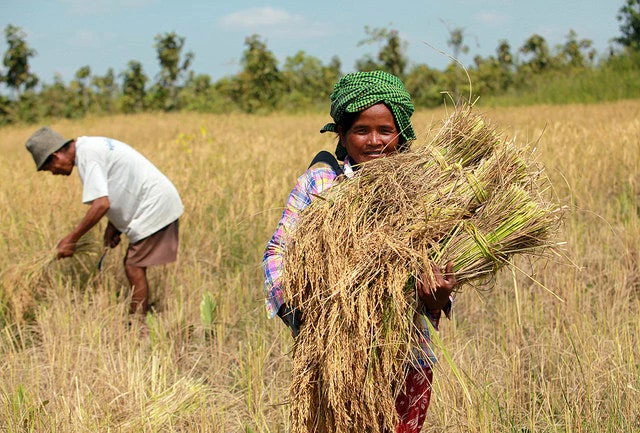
<point>95,7</point>
<point>89,38</point>
<point>261,17</point>
<point>492,18</point>
<point>84,38</point>
<point>275,22</point>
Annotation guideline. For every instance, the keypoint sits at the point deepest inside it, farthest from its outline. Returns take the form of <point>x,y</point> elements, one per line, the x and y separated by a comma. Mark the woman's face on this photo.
<point>373,134</point>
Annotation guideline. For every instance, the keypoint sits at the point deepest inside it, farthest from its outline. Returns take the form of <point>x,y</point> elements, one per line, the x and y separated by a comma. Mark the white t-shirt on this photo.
<point>142,199</point>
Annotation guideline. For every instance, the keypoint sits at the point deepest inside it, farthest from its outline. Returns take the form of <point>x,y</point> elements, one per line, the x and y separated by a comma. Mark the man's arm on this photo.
<point>98,208</point>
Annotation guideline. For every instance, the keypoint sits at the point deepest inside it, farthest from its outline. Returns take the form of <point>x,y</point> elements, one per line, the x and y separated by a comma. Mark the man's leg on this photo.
<point>156,249</point>
<point>137,277</point>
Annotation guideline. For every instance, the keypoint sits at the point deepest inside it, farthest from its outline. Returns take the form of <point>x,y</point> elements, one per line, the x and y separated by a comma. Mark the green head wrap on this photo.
<point>358,91</point>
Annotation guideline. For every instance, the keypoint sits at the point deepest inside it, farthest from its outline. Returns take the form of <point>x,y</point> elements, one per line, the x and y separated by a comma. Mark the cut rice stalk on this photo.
<point>469,197</point>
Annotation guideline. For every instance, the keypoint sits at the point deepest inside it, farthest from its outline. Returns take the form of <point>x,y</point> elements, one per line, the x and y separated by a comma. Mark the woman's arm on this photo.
<point>312,182</point>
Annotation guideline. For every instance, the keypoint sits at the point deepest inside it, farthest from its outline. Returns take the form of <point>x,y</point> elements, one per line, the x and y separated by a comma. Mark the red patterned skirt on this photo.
<point>413,402</point>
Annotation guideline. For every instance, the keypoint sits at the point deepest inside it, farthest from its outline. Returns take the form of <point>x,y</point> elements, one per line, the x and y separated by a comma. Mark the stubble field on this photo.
<point>531,361</point>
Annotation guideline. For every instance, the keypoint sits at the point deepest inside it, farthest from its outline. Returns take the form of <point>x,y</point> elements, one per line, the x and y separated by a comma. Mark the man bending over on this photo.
<point>122,184</point>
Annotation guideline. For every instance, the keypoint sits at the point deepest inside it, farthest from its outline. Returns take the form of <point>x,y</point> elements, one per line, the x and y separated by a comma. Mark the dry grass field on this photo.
<point>531,361</point>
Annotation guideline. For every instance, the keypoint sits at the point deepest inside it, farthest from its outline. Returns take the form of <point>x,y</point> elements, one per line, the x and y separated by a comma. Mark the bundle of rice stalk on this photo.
<point>469,196</point>
<point>169,407</point>
<point>24,282</point>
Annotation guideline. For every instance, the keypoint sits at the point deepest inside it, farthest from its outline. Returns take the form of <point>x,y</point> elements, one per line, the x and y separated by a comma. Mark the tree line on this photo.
<point>303,81</point>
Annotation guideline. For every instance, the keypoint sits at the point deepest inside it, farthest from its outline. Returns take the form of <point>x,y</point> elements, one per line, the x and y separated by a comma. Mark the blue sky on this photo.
<point>69,34</point>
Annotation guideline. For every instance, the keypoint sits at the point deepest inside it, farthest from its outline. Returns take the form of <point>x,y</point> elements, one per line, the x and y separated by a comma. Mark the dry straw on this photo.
<point>26,281</point>
<point>469,196</point>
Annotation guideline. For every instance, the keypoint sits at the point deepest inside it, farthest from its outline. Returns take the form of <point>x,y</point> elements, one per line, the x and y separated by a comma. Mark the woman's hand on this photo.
<point>434,292</point>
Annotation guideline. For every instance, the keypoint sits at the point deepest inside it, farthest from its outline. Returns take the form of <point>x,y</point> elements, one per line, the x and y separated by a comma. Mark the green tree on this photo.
<point>629,18</point>
<point>169,50</point>
<point>486,76</point>
<point>199,94</point>
<point>575,52</point>
<point>5,111</point>
<point>504,56</point>
<point>56,100</point>
<point>134,81</point>
<point>392,56</point>
<point>454,78</point>
<point>307,80</point>
<point>80,86</point>
<point>506,65</point>
<point>18,76</point>
<point>227,89</point>
<point>367,63</point>
<point>424,85</point>
<point>537,49</point>
<point>333,71</point>
<point>105,91</point>
<point>260,82</point>
<point>456,42</point>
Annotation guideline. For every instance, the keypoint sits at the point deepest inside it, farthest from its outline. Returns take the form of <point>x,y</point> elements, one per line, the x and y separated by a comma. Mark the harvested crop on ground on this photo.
<point>469,196</point>
<point>26,279</point>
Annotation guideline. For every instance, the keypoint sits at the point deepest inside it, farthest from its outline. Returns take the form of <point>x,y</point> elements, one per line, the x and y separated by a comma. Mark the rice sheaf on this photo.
<point>469,196</point>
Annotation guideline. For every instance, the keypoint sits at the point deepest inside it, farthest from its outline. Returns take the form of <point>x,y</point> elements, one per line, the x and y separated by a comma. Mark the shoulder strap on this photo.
<point>329,159</point>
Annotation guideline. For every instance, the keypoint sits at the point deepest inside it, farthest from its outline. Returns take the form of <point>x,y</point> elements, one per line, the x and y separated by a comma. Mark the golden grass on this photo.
<point>530,361</point>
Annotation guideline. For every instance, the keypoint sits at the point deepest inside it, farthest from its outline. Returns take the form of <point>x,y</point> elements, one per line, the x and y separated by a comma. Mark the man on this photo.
<point>122,184</point>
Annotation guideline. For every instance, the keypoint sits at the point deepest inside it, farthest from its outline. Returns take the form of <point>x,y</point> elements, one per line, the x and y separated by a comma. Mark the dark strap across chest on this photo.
<point>327,158</point>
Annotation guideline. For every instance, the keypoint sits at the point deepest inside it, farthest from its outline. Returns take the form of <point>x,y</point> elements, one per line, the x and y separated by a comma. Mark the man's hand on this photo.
<point>67,246</point>
<point>111,236</point>
<point>434,293</point>
<point>98,208</point>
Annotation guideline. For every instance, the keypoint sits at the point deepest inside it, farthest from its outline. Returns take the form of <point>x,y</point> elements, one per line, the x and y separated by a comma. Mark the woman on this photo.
<point>371,113</point>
